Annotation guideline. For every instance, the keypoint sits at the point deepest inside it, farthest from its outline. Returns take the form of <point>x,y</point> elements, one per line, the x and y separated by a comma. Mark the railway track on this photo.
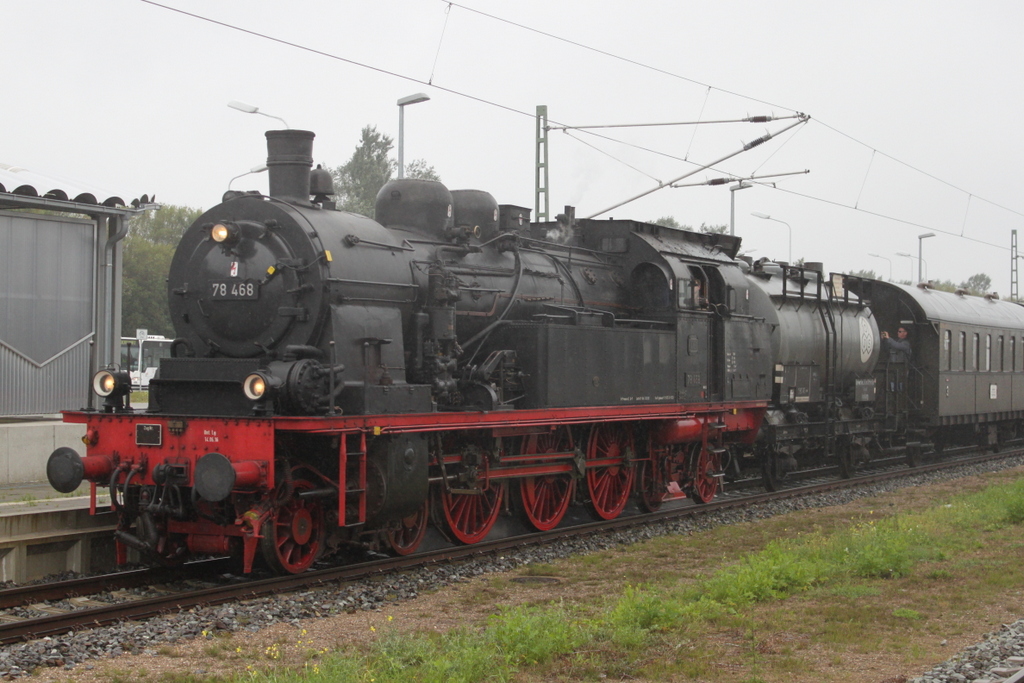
<point>78,608</point>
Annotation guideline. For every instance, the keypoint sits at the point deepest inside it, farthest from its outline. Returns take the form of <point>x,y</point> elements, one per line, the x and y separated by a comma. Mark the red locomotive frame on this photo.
<point>686,435</point>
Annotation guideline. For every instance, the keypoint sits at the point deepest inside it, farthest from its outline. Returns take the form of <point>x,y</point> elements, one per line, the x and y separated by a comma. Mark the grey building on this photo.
<point>60,290</point>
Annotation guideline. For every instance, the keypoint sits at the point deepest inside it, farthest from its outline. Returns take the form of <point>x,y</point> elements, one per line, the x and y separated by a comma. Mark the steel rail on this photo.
<point>20,596</point>
<point>150,607</point>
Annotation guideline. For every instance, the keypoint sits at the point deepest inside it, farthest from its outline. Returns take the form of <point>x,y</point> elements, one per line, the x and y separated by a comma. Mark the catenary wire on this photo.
<point>671,74</point>
<point>440,42</point>
<point>610,156</point>
<point>513,110</point>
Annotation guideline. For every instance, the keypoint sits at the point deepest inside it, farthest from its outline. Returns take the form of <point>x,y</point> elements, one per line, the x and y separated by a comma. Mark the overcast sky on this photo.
<point>914,108</point>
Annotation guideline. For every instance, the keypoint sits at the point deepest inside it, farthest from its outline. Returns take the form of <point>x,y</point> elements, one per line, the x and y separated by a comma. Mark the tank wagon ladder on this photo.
<point>824,300</point>
<point>828,323</point>
<point>352,479</point>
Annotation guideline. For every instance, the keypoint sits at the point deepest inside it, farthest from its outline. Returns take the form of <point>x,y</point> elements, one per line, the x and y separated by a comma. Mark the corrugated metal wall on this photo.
<point>30,390</point>
<point>47,312</point>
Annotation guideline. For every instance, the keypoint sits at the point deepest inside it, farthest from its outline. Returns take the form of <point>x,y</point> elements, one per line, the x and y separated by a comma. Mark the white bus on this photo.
<point>142,365</point>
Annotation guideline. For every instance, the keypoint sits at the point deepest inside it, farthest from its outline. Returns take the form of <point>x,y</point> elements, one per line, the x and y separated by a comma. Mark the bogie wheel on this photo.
<point>293,535</point>
<point>652,484</point>
<point>609,483</point>
<point>405,539</point>
<point>845,456</point>
<point>913,455</point>
<point>770,471</point>
<point>704,485</point>
<point>545,499</point>
<point>469,517</point>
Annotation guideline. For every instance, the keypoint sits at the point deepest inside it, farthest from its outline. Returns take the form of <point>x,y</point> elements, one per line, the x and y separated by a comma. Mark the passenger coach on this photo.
<point>967,372</point>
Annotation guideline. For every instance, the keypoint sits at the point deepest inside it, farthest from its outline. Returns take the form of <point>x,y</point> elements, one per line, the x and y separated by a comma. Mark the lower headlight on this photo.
<point>255,386</point>
<point>111,383</point>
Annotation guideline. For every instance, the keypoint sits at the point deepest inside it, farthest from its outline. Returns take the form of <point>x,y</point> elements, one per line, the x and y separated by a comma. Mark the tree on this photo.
<point>944,285</point>
<point>720,229</point>
<point>670,222</point>
<point>148,249</point>
<point>866,274</point>
<point>977,284</point>
<point>358,180</point>
<point>419,168</point>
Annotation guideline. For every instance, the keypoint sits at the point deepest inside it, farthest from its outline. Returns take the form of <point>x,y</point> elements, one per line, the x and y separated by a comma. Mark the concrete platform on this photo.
<point>26,443</point>
<point>43,533</point>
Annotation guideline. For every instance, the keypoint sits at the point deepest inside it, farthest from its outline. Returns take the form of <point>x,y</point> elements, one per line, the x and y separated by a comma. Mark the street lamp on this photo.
<point>250,109</point>
<point>741,185</point>
<point>920,261</point>
<point>411,99</point>
<point>920,246</point>
<point>255,169</point>
<point>758,214</point>
<point>887,259</point>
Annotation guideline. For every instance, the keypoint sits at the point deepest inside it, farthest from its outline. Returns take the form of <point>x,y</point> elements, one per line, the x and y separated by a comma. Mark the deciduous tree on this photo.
<point>359,179</point>
<point>148,249</point>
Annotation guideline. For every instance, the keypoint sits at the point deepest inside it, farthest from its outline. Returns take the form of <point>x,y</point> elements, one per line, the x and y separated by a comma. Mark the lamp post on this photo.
<point>250,109</point>
<point>411,99</point>
<point>920,247</point>
<point>758,214</point>
<point>887,259</point>
<point>920,261</point>
<point>741,185</point>
<point>255,169</point>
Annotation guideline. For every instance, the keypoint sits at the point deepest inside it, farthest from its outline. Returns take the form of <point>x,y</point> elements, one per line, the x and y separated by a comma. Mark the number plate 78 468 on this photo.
<point>235,289</point>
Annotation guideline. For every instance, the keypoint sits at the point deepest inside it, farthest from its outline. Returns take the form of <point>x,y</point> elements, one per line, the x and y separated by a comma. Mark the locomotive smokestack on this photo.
<point>289,158</point>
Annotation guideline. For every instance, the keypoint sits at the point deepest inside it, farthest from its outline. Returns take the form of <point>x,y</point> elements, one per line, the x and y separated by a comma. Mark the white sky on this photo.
<point>131,97</point>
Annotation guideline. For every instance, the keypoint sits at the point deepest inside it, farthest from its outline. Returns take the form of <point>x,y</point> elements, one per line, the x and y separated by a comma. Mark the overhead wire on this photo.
<point>612,55</point>
<point>610,155</point>
<point>707,96</point>
<point>387,72</point>
<point>671,74</point>
<point>440,42</point>
<point>876,214</point>
<point>513,110</point>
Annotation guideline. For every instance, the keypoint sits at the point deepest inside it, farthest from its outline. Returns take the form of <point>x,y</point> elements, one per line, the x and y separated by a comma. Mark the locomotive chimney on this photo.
<point>289,158</point>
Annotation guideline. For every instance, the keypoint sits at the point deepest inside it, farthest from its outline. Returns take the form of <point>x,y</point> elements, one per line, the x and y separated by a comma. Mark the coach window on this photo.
<point>947,349</point>
<point>976,352</point>
<point>963,352</point>
<point>988,353</point>
<point>1013,354</point>
<point>1000,358</point>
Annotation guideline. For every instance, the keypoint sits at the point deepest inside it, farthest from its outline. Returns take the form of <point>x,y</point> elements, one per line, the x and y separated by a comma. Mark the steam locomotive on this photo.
<point>341,381</point>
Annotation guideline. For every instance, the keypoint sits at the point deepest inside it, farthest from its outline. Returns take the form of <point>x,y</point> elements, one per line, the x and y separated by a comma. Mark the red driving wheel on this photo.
<point>406,538</point>
<point>293,535</point>
<point>545,499</point>
<point>705,484</point>
<point>609,476</point>
<point>469,517</point>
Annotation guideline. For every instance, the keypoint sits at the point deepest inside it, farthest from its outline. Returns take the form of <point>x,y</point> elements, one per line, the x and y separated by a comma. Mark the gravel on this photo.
<point>1000,655</point>
<point>74,648</point>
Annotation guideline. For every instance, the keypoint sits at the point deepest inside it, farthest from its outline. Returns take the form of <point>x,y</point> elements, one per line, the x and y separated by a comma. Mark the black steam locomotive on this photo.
<point>340,380</point>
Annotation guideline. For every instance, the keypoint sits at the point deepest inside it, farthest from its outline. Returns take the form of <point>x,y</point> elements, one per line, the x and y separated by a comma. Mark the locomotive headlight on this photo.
<point>224,233</point>
<point>110,383</point>
<point>255,386</point>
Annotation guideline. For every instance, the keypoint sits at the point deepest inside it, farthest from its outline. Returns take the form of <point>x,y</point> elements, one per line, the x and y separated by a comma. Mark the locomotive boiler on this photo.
<point>338,380</point>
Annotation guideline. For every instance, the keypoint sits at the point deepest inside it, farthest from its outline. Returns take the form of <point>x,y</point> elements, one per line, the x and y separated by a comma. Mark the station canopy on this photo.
<point>30,185</point>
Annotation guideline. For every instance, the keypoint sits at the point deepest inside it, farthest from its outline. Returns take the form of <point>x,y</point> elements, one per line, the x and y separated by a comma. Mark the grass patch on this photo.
<point>904,613</point>
<point>850,590</point>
